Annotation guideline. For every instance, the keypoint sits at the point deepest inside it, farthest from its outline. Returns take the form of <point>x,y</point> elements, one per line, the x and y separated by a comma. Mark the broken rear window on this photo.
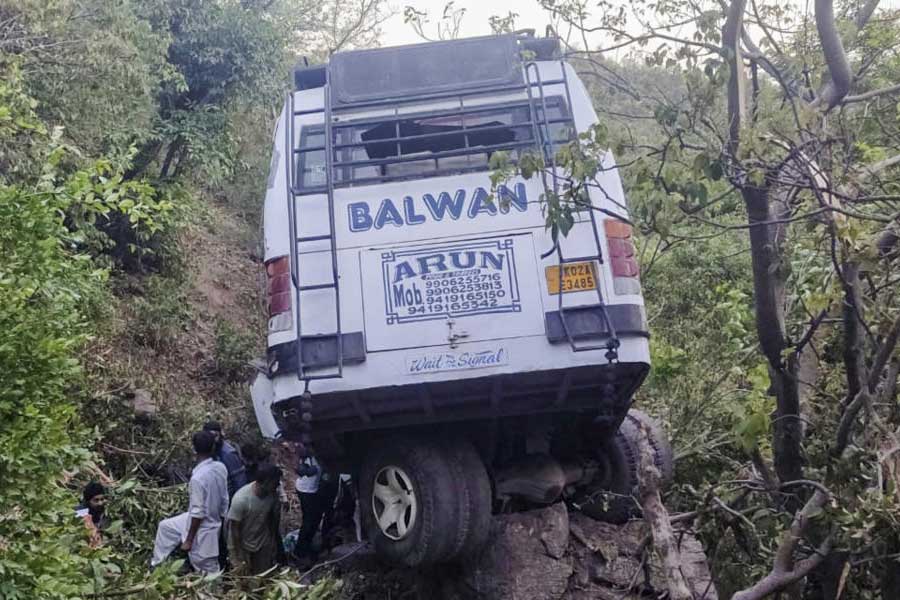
<point>415,146</point>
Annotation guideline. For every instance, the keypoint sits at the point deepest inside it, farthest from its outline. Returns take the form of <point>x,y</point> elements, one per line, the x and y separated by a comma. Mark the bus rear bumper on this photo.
<point>262,392</point>
<point>603,391</point>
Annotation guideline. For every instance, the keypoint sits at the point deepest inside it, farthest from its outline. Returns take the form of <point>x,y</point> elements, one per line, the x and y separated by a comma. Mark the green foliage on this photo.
<point>45,291</point>
<point>138,507</point>
<point>19,154</point>
<point>125,220</point>
<point>233,351</point>
<point>160,313</point>
<point>754,422</point>
<point>756,361</point>
<point>112,116</point>
<point>43,288</point>
<point>93,67</point>
<point>50,288</point>
<point>221,55</point>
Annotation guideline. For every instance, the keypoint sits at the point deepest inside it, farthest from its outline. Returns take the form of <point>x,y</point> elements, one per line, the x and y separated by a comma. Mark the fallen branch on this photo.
<point>657,517</point>
<point>785,571</point>
<point>321,565</point>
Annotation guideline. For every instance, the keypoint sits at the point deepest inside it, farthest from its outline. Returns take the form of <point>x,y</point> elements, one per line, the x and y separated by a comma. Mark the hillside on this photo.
<point>177,347</point>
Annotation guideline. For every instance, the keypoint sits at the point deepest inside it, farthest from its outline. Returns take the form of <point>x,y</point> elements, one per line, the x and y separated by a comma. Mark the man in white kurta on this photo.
<point>197,530</point>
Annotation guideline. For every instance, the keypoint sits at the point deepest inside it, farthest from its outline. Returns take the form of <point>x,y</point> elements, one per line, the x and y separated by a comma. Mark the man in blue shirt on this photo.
<point>229,456</point>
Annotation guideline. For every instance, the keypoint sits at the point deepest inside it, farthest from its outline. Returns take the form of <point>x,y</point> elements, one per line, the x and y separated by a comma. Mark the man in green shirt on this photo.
<point>253,523</point>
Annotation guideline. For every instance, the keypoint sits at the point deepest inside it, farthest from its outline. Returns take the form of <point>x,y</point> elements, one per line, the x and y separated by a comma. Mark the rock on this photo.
<point>694,566</point>
<point>524,558</point>
<point>608,556</point>
<point>555,534</point>
<point>532,556</point>
<point>143,403</point>
<point>621,571</point>
<point>596,592</point>
<point>610,540</point>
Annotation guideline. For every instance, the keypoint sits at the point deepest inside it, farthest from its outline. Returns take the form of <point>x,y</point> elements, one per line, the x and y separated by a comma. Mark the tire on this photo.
<point>663,455</point>
<point>417,477</point>
<point>469,469</point>
<point>612,497</point>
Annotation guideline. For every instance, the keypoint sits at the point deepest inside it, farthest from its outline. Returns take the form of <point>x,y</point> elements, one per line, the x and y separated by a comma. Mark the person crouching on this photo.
<point>91,509</point>
<point>197,530</point>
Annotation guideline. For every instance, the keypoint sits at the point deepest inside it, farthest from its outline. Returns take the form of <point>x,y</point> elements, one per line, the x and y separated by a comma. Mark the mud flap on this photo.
<point>262,391</point>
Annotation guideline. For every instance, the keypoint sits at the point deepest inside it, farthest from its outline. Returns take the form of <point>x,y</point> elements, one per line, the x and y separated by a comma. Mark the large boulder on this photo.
<point>543,554</point>
<point>524,559</point>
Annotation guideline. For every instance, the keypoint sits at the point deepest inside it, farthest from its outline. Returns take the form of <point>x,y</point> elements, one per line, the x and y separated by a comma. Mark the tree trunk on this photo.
<point>768,296</point>
<point>144,158</point>
<point>854,343</point>
<point>174,149</point>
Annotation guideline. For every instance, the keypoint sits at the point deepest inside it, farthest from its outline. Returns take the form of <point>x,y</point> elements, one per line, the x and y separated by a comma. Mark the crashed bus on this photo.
<point>426,333</point>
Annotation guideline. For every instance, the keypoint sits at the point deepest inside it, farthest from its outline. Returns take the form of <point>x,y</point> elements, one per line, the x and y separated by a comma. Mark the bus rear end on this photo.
<point>412,302</point>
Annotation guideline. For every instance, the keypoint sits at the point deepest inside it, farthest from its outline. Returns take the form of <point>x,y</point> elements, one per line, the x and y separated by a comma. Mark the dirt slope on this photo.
<point>177,346</point>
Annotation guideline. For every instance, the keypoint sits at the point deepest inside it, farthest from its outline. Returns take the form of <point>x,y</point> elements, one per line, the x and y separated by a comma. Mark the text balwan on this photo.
<point>437,208</point>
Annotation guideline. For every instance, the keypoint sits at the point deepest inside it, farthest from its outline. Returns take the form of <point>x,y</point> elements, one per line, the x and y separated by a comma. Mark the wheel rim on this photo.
<point>394,502</point>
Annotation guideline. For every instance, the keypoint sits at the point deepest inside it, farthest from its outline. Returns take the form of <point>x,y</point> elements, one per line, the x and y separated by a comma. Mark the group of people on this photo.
<point>233,518</point>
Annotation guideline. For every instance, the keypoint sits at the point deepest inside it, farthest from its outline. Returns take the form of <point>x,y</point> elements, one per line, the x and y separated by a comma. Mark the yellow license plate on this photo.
<point>576,277</point>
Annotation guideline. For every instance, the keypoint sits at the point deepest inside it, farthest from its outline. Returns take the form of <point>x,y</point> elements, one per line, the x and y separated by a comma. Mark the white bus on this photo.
<point>426,332</point>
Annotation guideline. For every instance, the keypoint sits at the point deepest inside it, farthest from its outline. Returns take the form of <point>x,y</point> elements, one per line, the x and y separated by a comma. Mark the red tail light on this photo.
<point>278,293</point>
<point>621,257</point>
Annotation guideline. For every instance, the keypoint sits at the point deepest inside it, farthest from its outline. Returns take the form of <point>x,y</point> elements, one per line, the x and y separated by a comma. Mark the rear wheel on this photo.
<point>469,470</point>
<point>612,495</point>
<point>423,501</point>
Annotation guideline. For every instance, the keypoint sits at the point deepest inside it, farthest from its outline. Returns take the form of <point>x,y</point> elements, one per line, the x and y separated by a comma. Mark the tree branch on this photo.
<point>784,570</point>
<point>864,395</point>
<point>884,354</point>
<point>737,100</point>
<point>865,13</point>
<point>835,56</point>
<point>872,94</point>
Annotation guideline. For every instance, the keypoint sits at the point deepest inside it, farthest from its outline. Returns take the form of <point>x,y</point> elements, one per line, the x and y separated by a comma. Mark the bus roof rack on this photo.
<point>398,71</point>
<point>444,66</point>
<point>307,78</point>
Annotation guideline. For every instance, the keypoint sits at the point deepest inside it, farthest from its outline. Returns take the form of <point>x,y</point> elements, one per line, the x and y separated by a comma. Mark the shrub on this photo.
<point>160,313</point>
<point>234,350</point>
<point>50,287</point>
<point>43,290</point>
